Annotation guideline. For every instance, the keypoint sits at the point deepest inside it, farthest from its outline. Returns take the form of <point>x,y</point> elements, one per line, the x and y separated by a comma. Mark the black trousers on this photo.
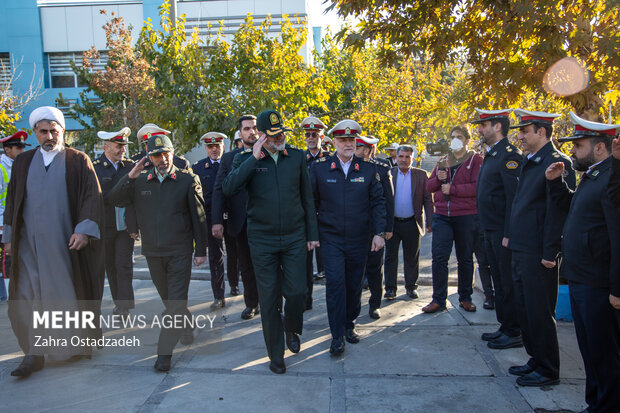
<point>171,277</point>
<point>374,275</point>
<point>536,295</point>
<point>408,233</point>
<point>250,292</point>
<point>597,325</point>
<point>309,276</point>
<point>216,265</point>
<point>232,269</point>
<point>118,247</point>
<point>484,269</point>
<point>500,261</point>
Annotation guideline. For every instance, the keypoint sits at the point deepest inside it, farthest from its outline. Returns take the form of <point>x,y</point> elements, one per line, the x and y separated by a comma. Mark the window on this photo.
<point>5,70</point>
<point>61,74</point>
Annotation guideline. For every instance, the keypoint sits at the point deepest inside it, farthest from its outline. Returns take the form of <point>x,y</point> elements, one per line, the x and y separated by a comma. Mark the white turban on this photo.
<point>46,113</point>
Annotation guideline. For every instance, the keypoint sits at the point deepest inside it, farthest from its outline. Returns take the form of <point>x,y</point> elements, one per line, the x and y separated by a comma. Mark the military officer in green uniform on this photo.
<point>169,208</point>
<point>281,228</point>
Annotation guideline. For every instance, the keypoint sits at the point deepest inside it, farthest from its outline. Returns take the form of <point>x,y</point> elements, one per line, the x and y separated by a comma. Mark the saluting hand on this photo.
<point>258,146</point>
<point>137,169</point>
<point>615,149</point>
<point>554,171</point>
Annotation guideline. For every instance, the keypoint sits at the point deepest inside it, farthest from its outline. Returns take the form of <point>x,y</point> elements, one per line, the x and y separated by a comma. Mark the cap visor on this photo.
<point>161,150</point>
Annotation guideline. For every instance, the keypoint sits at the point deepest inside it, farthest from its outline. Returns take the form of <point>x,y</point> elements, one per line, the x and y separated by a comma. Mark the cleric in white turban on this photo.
<point>53,219</point>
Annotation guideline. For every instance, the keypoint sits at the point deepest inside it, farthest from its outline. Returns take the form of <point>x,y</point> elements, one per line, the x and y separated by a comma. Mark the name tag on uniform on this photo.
<point>145,193</point>
<point>261,169</point>
<point>360,179</point>
<point>331,181</point>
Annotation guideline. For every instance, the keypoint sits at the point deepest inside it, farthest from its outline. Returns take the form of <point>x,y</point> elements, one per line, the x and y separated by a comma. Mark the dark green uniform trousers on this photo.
<point>269,255</point>
<point>171,278</point>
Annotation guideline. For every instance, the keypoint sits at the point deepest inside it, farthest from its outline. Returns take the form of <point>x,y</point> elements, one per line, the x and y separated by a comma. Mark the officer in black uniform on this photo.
<point>497,185</point>
<point>172,222</point>
<point>535,235</point>
<point>314,133</point>
<point>613,189</point>
<point>206,169</point>
<point>281,229</point>
<point>121,228</point>
<point>374,261</point>
<point>234,209</point>
<point>351,206</point>
<point>591,263</point>
<point>144,133</point>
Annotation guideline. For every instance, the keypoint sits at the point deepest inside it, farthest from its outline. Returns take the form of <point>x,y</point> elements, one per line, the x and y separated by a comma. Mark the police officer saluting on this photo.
<point>591,262</point>
<point>169,208</point>
<point>121,228</point>
<point>497,185</point>
<point>314,133</point>
<point>535,234</point>
<point>206,169</point>
<point>351,207</point>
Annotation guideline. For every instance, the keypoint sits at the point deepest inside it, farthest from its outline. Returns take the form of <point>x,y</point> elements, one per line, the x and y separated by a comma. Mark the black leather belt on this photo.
<point>404,219</point>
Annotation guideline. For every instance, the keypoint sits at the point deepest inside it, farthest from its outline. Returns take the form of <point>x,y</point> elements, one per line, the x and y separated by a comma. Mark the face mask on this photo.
<point>456,144</point>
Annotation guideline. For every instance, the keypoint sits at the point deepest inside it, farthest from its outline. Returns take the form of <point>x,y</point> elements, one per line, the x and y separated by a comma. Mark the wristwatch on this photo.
<point>381,234</point>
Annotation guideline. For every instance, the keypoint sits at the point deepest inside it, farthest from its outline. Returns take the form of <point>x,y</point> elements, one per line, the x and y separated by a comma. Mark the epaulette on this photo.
<point>96,161</point>
<point>376,162</point>
<point>323,159</point>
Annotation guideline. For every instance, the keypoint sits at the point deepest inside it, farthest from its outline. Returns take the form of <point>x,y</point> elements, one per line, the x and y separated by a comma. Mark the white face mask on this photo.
<point>456,145</point>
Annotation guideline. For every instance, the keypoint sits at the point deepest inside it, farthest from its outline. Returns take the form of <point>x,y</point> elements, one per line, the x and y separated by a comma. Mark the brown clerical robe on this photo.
<point>85,203</point>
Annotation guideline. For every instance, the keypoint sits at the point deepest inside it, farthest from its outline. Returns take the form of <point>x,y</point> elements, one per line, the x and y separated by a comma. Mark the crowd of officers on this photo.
<point>271,209</point>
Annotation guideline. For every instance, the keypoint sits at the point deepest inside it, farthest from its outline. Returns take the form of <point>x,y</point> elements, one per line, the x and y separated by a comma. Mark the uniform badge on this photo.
<point>273,118</point>
<point>494,153</point>
<point>357,167</point>
<point>333,165</point>
<point>311,126</point>
<point>512,165</point>
<point>537,159</point>
<point>148,178</point>
<point>565,174</point>
<point>508,149</point>
<point>284,152</point>
<point>207,165</point>
<point>378,177</point>
<point>360,179</point>
<point>594,173</point>
<point>173,175</point>
<point>347,130</point>
<point>308,156</point>
<point>158,142</point>
<point>262,155</point>
<point>105,163</point>
<point>555,155</point>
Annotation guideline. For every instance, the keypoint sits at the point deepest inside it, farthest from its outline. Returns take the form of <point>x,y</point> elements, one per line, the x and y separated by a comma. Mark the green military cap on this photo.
<point>158,144</point>
<point>271,123</point>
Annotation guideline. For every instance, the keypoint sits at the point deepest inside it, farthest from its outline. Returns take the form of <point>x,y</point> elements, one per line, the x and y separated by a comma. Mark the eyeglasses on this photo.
<point>313,134</point>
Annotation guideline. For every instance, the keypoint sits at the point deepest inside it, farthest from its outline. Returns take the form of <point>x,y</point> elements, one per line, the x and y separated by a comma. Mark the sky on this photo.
<point>316,10</point>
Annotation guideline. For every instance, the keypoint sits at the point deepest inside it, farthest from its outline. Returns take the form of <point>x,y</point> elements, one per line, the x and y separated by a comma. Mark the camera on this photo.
<point>441,147</point>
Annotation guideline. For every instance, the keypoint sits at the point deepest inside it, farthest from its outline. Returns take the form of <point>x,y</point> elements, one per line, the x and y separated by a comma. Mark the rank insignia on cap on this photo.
<point>357,167</point>
<point>158,142</point>
<point>333,165</point>
<point>347,130</point>
<point>512,165</point>
<point>273,118</point>
<point>148,135</point>
<point>311,126</point>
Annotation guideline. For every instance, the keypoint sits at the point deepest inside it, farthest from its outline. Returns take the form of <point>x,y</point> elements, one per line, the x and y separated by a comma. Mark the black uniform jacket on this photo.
<point>349,207</point>
<point>170,214</point>
<point>388,193</point>
<point>108,177</point>
<point>279,199</point>
<point>591,236</point>
<point>613,189</point>
<point>535,222</point>
<point>497,184</point>
<point>207,173</point>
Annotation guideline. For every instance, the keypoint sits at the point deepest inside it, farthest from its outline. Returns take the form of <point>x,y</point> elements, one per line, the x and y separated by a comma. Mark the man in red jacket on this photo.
<point>453,184</point>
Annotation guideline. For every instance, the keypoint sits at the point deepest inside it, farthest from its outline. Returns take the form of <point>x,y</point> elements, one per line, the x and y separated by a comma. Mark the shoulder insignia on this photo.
<point>105,163</point>
<point>320,159</point>
<point>555,155</point>
<point>97,162</point>
<point>508,149</point>
<point>594,173</point>
<point>512,165</point>
<point>378,177</point>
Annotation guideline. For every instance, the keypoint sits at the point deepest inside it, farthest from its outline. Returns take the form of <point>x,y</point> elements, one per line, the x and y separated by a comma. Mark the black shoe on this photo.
<point>491,336</point>
<point>535,379</point>
<point>292,341</point>
<point>234,291</point>
<point>520,370</point>
<point>505,342</point>
<point>188,337</point>
<point>412,293</point>
<point>249,313</point>
<point>163,363</point>
<point>390,294</point>
<point>365,285</point>
<point>374,313</point>
<point>352,336</point>
<point>217,304</point>
<point>336,348</point>
<point>489,303</point>
<point>277,367</point>
<point>29,365</point>
<point>309,305</point>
